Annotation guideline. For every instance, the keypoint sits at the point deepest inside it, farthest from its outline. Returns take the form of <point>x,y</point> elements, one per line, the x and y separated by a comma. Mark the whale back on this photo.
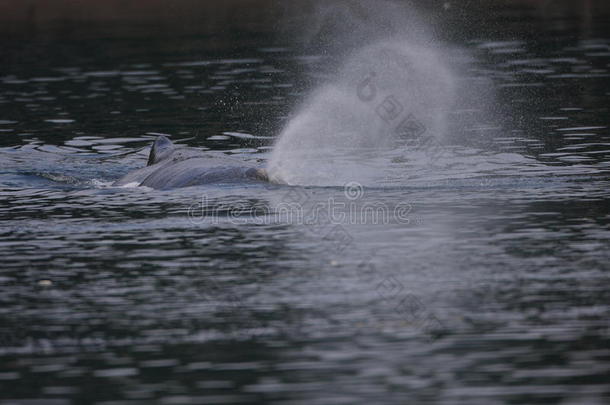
<point>170,166</point>
<point>161,149</point>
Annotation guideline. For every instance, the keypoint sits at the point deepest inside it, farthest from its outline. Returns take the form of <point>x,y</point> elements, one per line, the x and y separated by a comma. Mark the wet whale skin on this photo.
<point>173,167</point>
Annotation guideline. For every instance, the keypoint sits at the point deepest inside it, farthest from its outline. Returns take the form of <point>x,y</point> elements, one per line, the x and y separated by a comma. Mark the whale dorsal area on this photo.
<point>161,149</point>
<point>170,166</point>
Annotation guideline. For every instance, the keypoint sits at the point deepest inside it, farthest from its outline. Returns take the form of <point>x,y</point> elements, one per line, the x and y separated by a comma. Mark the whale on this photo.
<point>170,166</point>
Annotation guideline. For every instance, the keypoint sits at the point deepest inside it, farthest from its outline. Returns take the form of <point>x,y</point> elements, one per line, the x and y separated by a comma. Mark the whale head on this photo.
<point>161,149</point>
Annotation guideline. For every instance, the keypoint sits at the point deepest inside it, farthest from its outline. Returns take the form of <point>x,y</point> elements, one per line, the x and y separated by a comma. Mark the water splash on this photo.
<point>387,95</point>
<point>392,93</point>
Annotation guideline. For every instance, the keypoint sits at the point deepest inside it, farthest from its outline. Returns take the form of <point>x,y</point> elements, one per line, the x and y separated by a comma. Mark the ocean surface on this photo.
<point>483,280</point>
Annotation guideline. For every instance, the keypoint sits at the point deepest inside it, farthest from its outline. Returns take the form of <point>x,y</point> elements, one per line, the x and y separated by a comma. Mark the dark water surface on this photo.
<point>485,283</point>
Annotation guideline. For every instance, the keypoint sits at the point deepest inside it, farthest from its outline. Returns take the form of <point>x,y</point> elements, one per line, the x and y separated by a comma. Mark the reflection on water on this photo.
<point>485,282</point>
